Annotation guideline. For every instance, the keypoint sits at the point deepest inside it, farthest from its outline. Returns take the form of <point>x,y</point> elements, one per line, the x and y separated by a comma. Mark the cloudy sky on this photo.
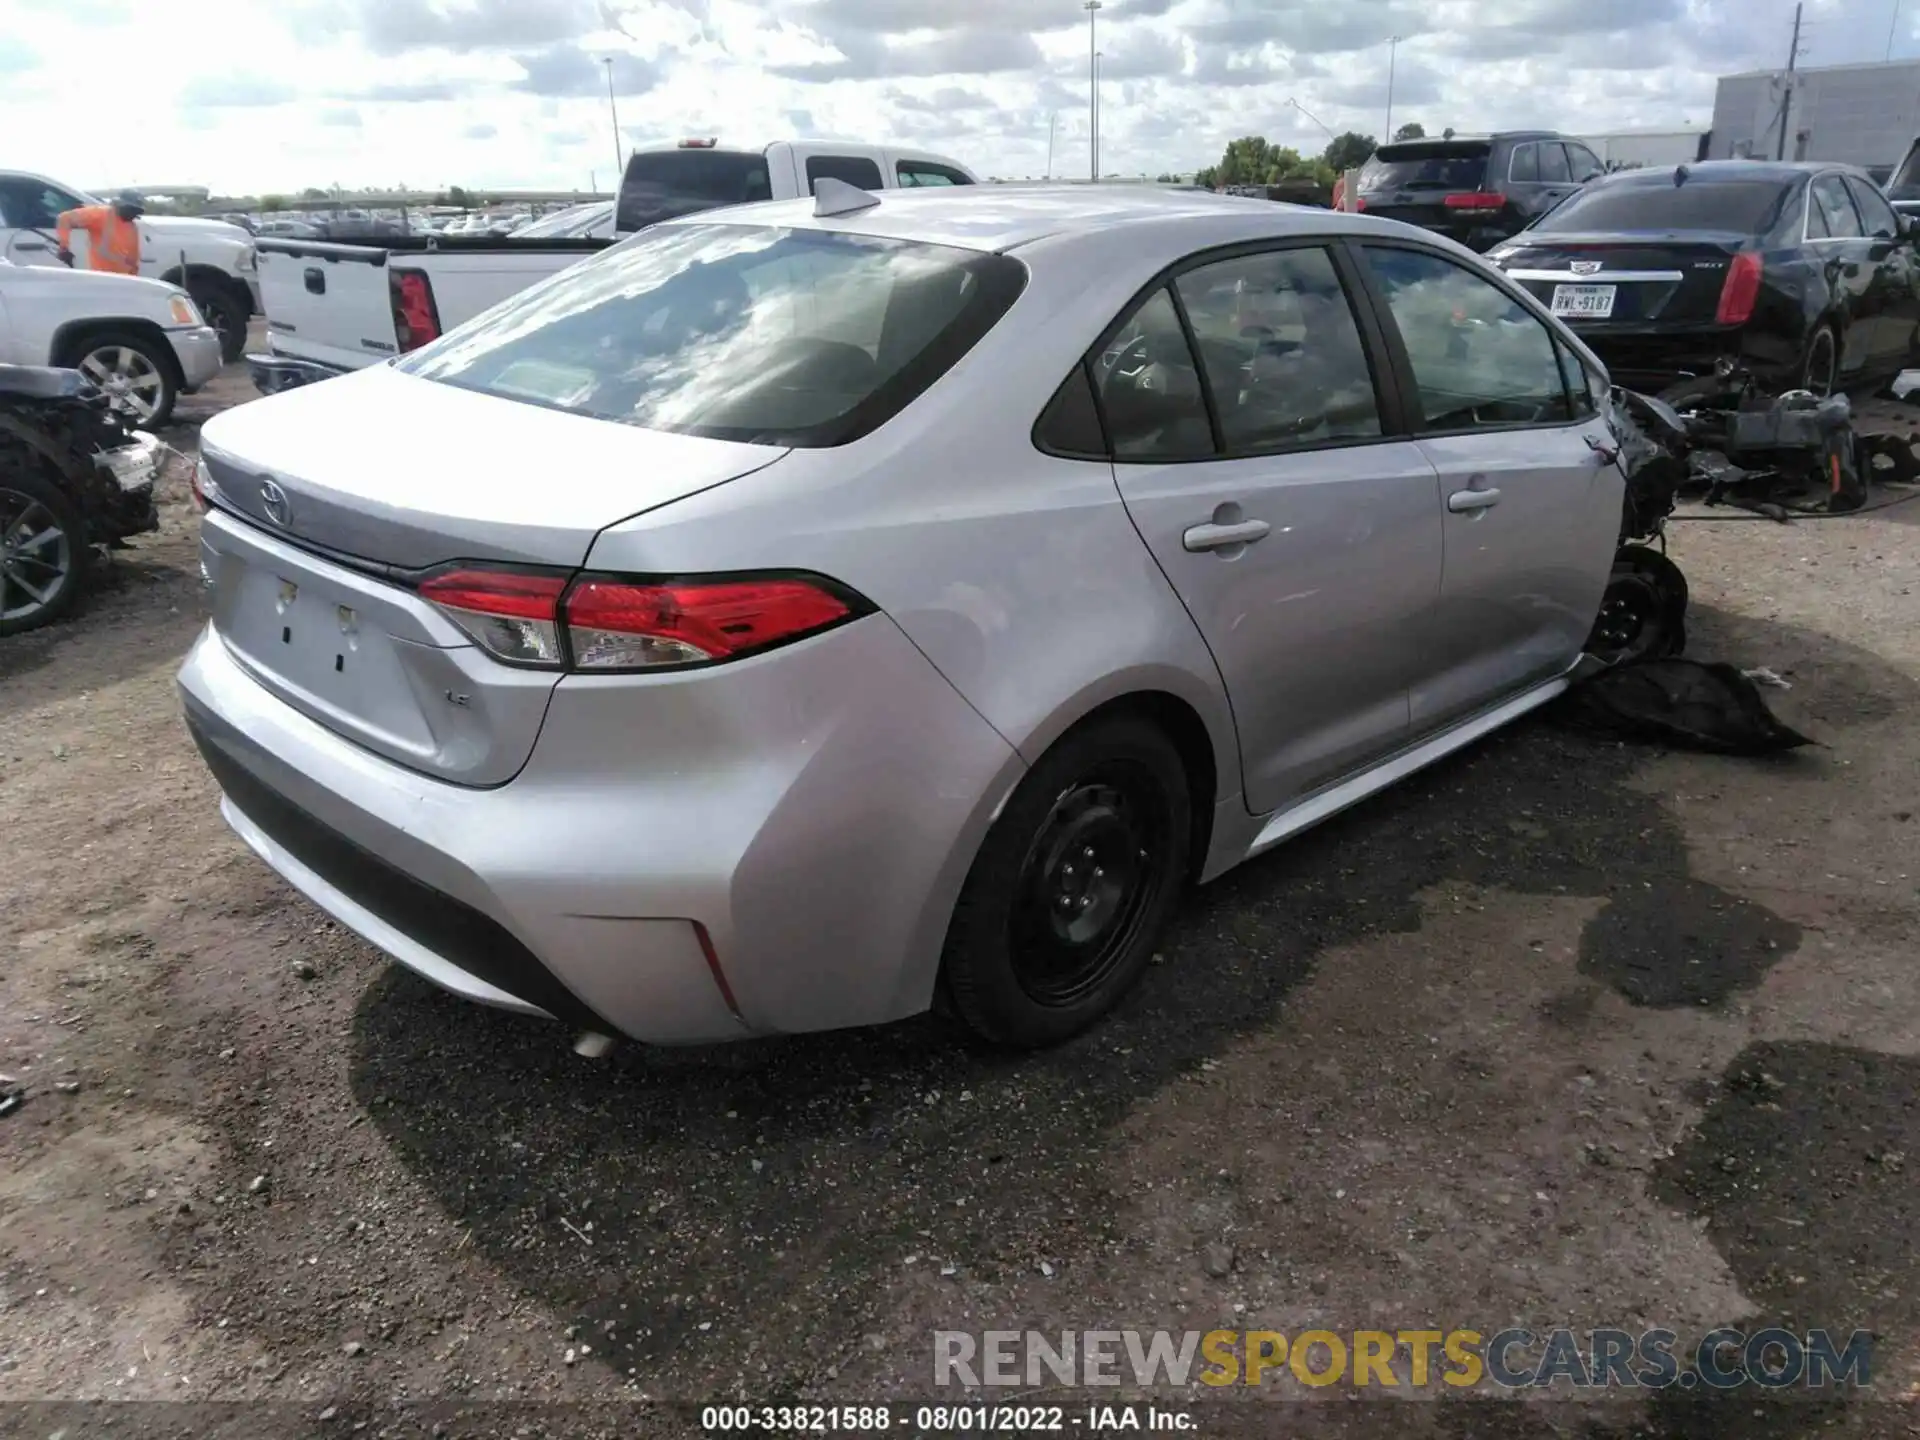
<point>261,95</point>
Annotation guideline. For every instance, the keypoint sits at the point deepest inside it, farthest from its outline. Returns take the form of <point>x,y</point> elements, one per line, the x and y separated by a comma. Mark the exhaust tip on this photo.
<point>593,1045</point>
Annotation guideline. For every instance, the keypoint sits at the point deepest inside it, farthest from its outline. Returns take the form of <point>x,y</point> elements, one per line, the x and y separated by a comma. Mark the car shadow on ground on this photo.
<point>669,1195</point>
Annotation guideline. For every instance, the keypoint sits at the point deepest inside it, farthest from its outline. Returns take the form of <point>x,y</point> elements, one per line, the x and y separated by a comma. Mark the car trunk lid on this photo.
<point>1596,281</point>
<point>332,500</point>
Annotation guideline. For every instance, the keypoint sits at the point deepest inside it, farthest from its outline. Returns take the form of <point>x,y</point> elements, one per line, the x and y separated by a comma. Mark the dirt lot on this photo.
<point>1560,1032</point>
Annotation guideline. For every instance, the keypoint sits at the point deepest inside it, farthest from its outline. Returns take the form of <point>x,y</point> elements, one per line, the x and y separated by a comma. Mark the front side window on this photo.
<point>1480,359</point>
<point>1875,214</point>
<point>856,170</point>
<point>737,332</point>
<point>1281,349</point>
<point>1149,387</point>
<point>1553,163</point>
<point>1585,163</point>
<point>29,205</point>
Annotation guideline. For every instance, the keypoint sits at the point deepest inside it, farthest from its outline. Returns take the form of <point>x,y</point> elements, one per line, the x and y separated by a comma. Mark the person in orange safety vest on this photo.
<point>113,239</point>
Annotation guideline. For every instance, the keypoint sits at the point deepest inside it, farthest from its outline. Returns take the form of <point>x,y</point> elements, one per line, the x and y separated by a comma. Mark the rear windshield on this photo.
<point>736,332</point>
<point>1426,167</point>
<point>666,184</point>
<point>1742,207</point>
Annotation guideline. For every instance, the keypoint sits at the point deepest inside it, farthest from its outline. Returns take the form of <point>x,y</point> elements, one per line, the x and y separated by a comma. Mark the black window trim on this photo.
<point>1409,385</point>
<point>1395,426</point>
<point>1104,455</point>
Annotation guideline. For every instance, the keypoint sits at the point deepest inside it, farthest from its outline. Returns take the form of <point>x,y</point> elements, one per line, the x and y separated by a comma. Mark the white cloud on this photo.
<point>499,93</point>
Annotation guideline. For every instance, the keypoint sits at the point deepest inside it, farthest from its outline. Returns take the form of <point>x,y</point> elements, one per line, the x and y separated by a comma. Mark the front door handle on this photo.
<point>1461,502</point>
<point>1219,537</point>
<point>29,244</point>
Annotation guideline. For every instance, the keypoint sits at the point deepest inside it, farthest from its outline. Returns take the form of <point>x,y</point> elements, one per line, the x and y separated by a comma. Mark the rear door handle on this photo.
<point>1461,502</point>
<point>29,244</point>
<point>1219,537</point>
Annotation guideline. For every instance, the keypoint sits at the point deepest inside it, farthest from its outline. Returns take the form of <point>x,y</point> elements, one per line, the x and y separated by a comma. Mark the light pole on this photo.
<point>1053,122</point>
<point>619,161</point>
<point>1393,50</point>
<point>1313,117</point>
<point>1892,27</point>
<point>1093,9</point>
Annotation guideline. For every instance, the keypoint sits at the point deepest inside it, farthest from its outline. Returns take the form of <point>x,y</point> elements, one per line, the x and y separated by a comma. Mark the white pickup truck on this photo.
<point>209,259</point>
<point>334,307</point>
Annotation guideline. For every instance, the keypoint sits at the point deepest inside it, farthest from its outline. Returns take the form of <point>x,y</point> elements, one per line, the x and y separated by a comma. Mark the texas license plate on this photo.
<point>1583,302</point>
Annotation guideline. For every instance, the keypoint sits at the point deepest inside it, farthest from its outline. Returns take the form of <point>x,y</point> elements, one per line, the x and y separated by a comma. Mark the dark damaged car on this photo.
<point>1802,274</point>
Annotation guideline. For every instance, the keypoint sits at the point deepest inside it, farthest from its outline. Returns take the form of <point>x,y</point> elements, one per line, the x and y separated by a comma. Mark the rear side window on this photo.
<point>925,172</point>
<point>1831,213</point>
<point>1743,207</point>
<point>856,170</point>
<point>666,184</point>
<point>1284,361</point>
<point>1149,387</point>
<point>1526,163</point>
<point>1480,359</point>
<point>736,332</point>
<point>1426,167</point>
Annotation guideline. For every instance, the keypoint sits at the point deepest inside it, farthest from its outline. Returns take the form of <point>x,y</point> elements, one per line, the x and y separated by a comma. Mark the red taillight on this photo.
<point>1740,291</point>
<point>622,625</point>
<point>605,623</point>
<point>416,318</point>
<point>1475,200</point>
<point>513,615</point>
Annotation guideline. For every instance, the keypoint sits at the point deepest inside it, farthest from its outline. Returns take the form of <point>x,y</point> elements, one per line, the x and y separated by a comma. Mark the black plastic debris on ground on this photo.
<point>1695,704</point>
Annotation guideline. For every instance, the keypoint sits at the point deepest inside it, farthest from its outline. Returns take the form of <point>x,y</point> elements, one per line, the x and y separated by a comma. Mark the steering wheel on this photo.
<point>1131,360</point>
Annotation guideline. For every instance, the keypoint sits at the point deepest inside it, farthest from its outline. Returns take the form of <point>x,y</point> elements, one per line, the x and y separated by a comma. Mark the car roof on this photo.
<point>1001,218</point>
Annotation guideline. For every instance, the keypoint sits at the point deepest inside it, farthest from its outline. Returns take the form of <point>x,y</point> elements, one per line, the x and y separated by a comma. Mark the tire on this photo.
<point>1825,339</point>
<point>227,313</point>
<point>38,581</point>
<point>137,372</point>
<point>1046,938</point>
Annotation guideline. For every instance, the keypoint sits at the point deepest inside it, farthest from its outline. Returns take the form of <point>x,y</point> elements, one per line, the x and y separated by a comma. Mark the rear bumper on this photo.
<point>198,351</point>
<point>273,373</point>
<point>1652,361</point>
<point>810,818</point>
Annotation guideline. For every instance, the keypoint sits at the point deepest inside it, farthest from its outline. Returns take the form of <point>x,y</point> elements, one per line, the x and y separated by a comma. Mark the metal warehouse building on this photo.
<point>1863,115</point>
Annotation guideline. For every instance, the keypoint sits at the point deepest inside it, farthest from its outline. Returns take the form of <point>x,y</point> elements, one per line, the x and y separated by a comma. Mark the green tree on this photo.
<point>271,203</point>
<point>313,192</point>
<point>1412,130</point>
<point>457,195</point>
<point>1348,152</point>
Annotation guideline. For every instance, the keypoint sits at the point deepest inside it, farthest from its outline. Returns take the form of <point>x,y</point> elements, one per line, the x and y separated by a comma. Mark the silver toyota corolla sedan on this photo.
<point>807,614</point>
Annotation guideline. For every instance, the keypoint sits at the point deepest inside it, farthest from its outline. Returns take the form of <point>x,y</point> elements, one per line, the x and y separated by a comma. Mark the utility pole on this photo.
<point>1093,9</point>
<point>1786,102</point>
<point>1393,54</point>
<point>619,159</point>
<point>1892,27</point>
<point>1053,122</point>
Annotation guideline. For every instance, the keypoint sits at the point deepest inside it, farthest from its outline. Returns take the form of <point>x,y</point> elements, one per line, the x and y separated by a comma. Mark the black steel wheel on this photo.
<point>43,553</point>
<point>1072,887</point>
<point>1642,611</point>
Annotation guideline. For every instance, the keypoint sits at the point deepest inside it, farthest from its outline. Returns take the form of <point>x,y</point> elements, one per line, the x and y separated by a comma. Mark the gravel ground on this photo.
<point>1560,1032</point>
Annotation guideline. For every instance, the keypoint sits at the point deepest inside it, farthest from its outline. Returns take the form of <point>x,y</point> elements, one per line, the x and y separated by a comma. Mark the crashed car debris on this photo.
<point>73,478</point>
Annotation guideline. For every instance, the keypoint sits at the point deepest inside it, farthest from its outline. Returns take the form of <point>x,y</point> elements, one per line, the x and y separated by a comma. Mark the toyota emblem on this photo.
<point>1584,267</point>
<point>273,500</point>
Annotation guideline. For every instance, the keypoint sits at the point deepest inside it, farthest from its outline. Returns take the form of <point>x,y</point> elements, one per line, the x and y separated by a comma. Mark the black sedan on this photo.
<point>1801,272</point>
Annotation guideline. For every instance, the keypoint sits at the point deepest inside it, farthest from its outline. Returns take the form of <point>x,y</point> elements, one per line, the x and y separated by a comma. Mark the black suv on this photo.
<point>1477,189</point>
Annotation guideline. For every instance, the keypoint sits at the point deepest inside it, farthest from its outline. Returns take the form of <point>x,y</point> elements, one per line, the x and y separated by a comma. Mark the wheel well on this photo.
<point>209,275</point>
<point>1182,724</point>
<point>70,342</point>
